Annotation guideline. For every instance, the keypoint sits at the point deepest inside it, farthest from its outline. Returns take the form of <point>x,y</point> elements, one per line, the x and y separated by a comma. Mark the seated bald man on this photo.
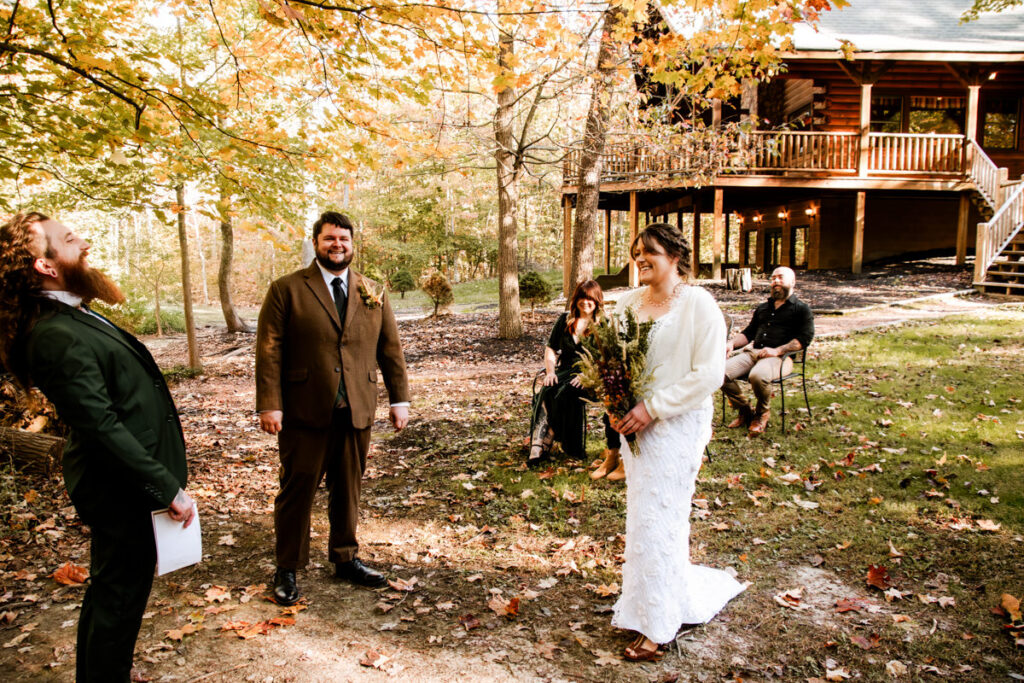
<point>782,324</point>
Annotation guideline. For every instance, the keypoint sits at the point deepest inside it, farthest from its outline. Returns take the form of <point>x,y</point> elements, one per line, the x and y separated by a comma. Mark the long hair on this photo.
<point>21,299</point>
<point>669,238</point>
<point>588,289</point>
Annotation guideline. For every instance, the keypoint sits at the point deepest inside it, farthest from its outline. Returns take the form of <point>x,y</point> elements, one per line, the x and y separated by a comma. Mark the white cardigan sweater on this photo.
<point>687,352</point>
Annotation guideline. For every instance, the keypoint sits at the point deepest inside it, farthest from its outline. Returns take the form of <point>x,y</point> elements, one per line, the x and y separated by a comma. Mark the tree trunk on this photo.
<point>156,307</point>
<point>584,232</point>
<point>31,451</point>
<point>510,321</point>
<point>186,283</point>
<point>227,253</point>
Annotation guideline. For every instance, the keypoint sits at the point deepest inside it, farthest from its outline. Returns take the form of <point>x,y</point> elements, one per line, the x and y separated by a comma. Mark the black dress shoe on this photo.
<point>354,571</point>
<point>286,591</point>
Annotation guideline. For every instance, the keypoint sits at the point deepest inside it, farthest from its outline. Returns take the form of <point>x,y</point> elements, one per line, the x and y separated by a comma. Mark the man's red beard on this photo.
<point>89,283</point>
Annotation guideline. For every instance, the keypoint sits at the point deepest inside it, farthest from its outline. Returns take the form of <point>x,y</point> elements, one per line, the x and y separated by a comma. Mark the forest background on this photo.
<point>193,142</point>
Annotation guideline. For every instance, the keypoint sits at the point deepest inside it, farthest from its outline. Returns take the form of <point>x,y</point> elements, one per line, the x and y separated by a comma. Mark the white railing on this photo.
<point>897,153</point>
<point>997,233</point>
<point>985,175</point>
<point>801,151</point>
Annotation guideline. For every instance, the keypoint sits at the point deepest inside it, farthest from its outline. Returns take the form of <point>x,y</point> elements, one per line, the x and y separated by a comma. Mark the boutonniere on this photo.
<point>371,298</point>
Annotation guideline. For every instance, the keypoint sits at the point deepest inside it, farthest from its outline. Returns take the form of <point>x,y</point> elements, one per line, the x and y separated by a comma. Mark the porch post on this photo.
<point>608,241</point>
<point>865,130</point>
<point>566,244</point>
<point>858,233</point>
<point>695,244</point>
<point>718,236</point>
<point>725,249</point>
<point>971,133</point>
<point>979,252</point>
<point>961,230</point>
<point>634,228</point>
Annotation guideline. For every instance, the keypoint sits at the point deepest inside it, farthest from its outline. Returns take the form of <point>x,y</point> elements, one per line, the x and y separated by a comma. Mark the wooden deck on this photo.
<point>780,154</point>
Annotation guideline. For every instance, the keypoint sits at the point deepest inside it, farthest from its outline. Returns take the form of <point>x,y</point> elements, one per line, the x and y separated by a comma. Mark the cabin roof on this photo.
<point>902,26</point>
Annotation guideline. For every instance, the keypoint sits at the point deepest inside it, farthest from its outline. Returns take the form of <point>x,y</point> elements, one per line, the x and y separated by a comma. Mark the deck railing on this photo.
<point>800,151</point>
<point>997,233</point>
<point>900,153</point>
<point>783,152</point>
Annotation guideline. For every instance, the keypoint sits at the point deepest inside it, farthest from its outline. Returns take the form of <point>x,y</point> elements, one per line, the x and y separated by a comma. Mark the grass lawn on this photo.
<point>912,463</point>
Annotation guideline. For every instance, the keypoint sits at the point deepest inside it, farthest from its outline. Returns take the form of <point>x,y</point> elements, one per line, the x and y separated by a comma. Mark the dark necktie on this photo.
<point>340,299</point>
<point>340,302</point>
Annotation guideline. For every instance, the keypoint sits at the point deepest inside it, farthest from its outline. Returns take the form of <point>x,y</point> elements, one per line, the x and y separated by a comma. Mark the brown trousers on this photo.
<point>307,455</point>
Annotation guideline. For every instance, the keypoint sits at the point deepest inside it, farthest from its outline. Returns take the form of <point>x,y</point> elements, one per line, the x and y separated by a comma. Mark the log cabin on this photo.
<point>892,131</point>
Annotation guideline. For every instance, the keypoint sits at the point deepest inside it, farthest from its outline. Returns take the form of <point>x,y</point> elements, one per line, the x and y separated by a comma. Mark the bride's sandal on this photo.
<point>643,649</point>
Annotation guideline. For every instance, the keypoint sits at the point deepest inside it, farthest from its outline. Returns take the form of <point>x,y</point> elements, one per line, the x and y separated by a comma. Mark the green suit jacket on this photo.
<point>126,441</point>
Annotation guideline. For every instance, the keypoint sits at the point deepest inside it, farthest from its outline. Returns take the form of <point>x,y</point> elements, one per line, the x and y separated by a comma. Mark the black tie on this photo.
<point>340,299</point>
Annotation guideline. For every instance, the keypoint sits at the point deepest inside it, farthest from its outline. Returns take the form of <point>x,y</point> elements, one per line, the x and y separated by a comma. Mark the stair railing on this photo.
<point>997,233</point>
<point>985,175</point>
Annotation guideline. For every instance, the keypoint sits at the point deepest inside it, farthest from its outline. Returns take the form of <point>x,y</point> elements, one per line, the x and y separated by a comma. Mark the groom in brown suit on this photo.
<point>323,332</point>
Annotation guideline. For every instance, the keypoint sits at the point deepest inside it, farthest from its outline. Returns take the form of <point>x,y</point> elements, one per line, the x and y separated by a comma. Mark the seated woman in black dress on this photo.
<point>559,412</point>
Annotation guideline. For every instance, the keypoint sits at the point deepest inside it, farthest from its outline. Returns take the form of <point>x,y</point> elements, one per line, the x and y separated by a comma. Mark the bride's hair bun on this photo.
<point>670,239</point>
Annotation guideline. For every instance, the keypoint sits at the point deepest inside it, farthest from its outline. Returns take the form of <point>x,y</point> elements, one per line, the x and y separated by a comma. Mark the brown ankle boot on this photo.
<point>611,461</point>
<point>742,419</point>
<point>619,473</point>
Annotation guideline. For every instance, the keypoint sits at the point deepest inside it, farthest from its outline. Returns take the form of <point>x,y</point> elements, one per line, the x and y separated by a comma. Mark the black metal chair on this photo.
<point>799,360</point>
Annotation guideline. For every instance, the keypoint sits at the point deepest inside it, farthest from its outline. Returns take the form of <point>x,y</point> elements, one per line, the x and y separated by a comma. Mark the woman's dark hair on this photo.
<point>670,239</point>
<point>332,218</point>
<point>588,289</point>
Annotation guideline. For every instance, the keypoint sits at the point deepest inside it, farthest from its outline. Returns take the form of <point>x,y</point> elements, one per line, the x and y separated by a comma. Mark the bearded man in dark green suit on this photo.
<point>126,453</point>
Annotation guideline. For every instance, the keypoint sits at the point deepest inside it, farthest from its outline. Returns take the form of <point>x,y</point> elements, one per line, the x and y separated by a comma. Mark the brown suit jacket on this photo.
<point>302,352</point>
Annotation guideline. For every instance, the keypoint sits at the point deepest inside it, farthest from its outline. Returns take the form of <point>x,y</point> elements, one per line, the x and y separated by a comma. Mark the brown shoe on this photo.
<point>742,419</point>
<point>611,462</point>
<point>619,473</point>
<point>759,423</point>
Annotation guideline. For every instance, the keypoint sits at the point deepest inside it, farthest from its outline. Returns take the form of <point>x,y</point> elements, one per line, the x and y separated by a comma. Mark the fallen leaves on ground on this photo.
<point>179,633</point>
<point>878,576</point>
<point>896,668</point>
<point>503,607</point>
<point>605,658</point>
<point>372,658</point>
<point>69,574</point>
<point>469,622</point>
<point>792,599</point>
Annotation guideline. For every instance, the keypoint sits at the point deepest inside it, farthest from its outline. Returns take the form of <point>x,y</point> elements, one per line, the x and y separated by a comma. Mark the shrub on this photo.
<point>438,290</point>
<point>403,282</point>
<point>534,288</point>
<point>138,318</point>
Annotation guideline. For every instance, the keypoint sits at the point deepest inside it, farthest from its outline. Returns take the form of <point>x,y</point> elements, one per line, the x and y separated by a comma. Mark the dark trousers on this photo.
<point>307,456</point>
<point>123,557</point>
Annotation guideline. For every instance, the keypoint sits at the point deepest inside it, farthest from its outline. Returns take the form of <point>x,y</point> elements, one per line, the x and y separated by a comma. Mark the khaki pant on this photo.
<point>745,365</point>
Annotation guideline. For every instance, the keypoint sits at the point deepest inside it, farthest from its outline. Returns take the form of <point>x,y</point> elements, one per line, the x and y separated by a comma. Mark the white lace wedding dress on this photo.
<point>661,590</point>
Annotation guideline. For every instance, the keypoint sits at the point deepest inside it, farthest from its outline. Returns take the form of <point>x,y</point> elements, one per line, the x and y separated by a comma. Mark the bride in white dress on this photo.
<point>661,590</point>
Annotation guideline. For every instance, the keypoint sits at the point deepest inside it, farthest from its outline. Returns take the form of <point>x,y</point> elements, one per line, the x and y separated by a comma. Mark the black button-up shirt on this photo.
<point>771,327</point>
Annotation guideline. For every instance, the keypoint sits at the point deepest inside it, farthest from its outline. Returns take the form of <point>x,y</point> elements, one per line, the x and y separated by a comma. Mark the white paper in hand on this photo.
<point>176,546</point>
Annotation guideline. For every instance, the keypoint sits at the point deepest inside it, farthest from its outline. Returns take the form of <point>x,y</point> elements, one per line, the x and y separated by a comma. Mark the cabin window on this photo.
<point>1002,119</point>
<point>751,247</point>
<point>937,114</point>
<point>918,114</point>
<point>799,245</point>
<point>886,114</point>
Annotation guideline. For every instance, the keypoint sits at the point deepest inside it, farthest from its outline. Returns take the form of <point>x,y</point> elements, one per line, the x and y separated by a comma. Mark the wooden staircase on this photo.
<point>999,254</point>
